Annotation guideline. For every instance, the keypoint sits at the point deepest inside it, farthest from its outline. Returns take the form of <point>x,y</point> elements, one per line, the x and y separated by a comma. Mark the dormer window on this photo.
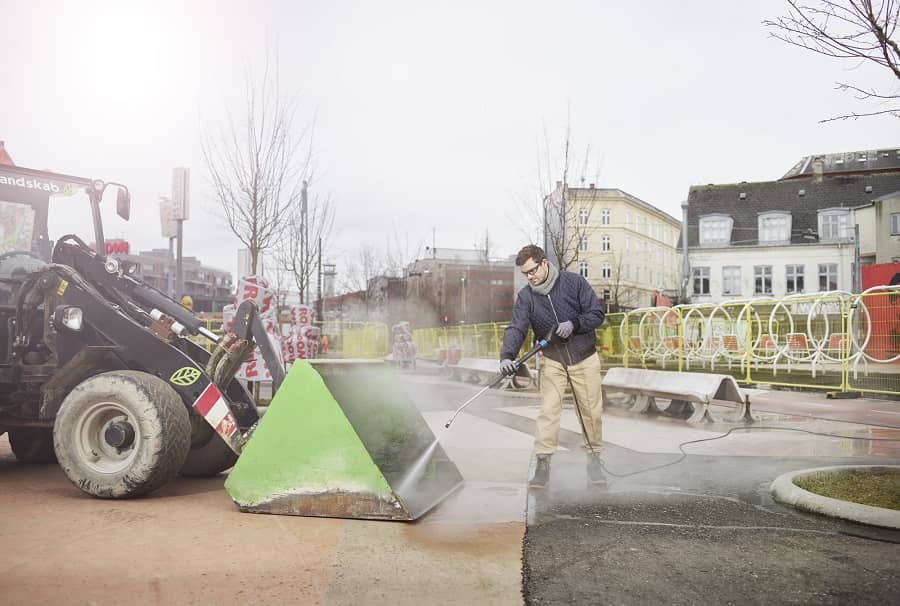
<point>775,227</point>
<point>834,224</point>
<point>715,230</point>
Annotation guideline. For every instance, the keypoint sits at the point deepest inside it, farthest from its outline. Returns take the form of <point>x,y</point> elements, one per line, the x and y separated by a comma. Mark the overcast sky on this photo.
<point>429,115</point>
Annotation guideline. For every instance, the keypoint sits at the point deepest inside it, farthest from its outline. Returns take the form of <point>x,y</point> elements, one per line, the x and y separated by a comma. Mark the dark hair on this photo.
<point>533,252</point>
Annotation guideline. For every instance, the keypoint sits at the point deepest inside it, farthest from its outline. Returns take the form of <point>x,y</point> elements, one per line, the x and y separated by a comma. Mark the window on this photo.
<point>605,244</point>
<point>628,272</point>
<point>627,219</point>
<point>794,275</point>
<point>774,227</point>
<point>731,280</point>
<point>834,224</point>
<point>606,294</point>
<point>583,269</point>
<point>701,280</point>
<point>715,229</point>
<point>606,271</point>
<point>762,279</point>
<point>583,216</point>
<point>627,244</point>
<point>828,276</point>
<point>583,246</point>
<point>895,224</point>
<point>604,216</point>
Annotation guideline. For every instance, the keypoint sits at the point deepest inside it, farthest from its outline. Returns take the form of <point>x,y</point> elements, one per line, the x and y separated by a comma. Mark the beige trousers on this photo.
<point>586,382</point>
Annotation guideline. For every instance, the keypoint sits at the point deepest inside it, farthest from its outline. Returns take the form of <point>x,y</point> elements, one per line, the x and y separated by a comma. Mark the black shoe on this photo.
<point>541,472</point>
<point>595,473</point>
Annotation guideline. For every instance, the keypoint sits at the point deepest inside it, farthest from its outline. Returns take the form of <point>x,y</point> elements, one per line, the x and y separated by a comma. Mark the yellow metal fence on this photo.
<point>834,341</point>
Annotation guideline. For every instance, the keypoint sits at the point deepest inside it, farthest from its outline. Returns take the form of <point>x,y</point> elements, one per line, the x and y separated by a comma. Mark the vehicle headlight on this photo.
<point>67,316</point>
<point>112,266</point>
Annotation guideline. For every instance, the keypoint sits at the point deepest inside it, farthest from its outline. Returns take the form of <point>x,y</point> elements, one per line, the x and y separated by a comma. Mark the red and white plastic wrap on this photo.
<point>403,347</point>
<point>302,340</point>
<point>228,318</point>
<point>302,315</point>
<point>256,289</point>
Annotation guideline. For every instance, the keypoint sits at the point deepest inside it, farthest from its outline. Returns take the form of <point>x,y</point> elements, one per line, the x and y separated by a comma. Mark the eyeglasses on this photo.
<point>530,272</point>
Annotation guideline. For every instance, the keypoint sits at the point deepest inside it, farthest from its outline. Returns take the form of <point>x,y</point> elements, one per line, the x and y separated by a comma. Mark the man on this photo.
<point>563,303</point>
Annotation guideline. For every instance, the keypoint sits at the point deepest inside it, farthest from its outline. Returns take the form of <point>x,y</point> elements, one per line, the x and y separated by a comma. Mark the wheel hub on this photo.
<point>107,437</point>
<point>119,434</point>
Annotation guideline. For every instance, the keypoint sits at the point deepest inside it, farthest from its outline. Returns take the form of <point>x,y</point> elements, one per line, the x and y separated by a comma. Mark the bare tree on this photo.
<point>400,251</point>
<point>554,219</point>
<point>361,268</point>
<point>360,273</point>
<point>297,253</point>
<point>485,248</point>
<point>256,164</point>
<point>863,31</point>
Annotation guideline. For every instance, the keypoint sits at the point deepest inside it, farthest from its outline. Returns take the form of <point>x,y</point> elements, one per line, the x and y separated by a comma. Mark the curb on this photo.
<point>785,491</point>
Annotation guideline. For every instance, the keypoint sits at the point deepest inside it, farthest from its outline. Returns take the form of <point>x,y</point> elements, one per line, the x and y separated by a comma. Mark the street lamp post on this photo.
<point>303,243</point>
<point>465,314</point>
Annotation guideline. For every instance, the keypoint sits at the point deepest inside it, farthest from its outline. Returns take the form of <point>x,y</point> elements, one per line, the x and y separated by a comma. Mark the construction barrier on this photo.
<point>462,341</point>
<point>369,341</point>
<point>835,340</point>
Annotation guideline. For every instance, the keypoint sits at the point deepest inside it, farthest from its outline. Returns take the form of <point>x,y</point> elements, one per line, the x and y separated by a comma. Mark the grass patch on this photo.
<point>878,488</point>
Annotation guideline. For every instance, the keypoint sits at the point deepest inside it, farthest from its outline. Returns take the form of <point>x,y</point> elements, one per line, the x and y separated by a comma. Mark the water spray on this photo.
<point>541,344</point>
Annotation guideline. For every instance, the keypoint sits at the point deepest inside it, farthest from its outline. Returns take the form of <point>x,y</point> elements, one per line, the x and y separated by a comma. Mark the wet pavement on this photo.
<point>697,524</point>
<point>698,527</point>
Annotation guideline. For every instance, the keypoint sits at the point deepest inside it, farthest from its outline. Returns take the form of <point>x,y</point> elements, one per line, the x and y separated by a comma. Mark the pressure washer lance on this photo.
<point>541,344</point>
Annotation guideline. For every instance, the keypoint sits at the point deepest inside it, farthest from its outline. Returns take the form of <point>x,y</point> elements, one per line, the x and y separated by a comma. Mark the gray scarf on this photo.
<point>546,286</point>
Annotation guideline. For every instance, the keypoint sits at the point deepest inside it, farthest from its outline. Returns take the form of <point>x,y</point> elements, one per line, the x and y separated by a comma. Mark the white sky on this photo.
<point>428,114</point>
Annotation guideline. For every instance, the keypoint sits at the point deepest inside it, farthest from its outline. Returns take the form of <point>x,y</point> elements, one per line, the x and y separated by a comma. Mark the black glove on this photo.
<point>564,330</point>
<point>507,368</point>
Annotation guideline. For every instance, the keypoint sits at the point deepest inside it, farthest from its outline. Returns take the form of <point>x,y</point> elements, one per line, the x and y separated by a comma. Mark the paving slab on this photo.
<point>188,544</point>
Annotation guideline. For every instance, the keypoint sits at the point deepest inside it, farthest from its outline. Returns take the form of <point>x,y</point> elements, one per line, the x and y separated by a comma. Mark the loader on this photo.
<point>102,373</point>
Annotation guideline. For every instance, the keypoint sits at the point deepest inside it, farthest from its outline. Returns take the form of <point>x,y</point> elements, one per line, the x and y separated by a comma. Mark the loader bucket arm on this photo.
<point>247,324</point>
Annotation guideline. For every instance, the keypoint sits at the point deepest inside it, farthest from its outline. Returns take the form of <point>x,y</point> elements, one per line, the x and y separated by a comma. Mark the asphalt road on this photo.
<point>699,532</point>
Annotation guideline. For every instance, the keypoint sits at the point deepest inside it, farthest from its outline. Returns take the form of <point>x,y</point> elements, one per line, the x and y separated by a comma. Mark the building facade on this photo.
<point>879,224</point>
<point>459,286</point>
<point>209,288</point>
<point>795,235</point>
<point>626,247</point>
<point>446,287</point>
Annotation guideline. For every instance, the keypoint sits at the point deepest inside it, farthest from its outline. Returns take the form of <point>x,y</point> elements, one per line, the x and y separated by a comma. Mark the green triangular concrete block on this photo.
<point>340,443</point>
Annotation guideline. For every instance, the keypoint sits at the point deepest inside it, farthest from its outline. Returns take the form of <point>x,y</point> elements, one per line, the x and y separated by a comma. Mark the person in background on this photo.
<point>563,304</point>
<point>324,343</point>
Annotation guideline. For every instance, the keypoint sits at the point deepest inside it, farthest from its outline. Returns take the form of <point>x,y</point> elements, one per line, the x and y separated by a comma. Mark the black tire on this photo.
<point>209,455</point>
<point>156,416</point>
<point>32,444</point>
